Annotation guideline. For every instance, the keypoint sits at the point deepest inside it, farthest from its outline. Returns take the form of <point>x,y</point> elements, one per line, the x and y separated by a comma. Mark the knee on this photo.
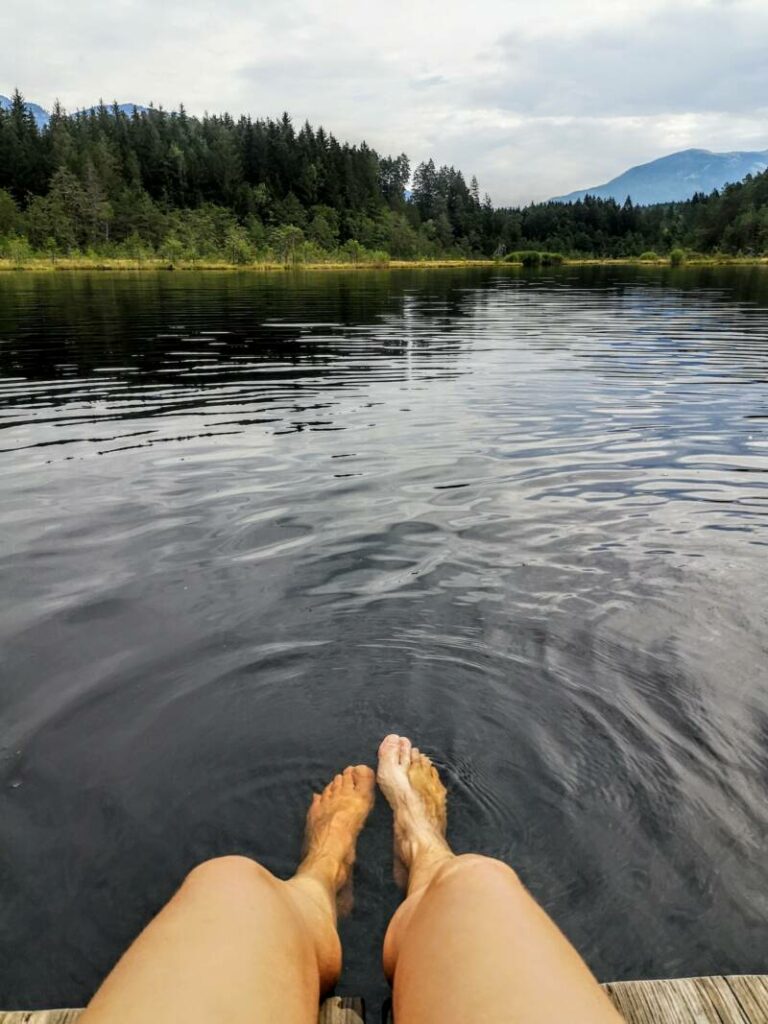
<point>234,874</point>
<point>483,881</point>
<point>474,871</point>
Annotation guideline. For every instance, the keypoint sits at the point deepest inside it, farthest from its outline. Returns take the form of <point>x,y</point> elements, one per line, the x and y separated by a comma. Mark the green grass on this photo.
<point>154,264</point>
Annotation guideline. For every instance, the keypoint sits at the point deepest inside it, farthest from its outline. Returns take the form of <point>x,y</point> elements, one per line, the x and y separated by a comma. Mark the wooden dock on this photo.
<point>723,999</point>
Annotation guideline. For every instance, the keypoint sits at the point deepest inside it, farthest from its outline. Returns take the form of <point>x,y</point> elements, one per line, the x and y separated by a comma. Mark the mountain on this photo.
<point>124,108</point>
<point>675,177</point>
<point>42,117</point>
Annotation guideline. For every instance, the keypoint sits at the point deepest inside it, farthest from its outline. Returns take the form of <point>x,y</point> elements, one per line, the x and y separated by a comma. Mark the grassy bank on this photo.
<point>691,261</point>
<point>93,263</point>
<point>45,264</point>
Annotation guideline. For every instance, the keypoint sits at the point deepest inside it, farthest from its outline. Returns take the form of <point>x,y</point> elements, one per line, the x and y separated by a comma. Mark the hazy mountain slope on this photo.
<point>42,116</point>
<point>675,177</point>
<point>125,108</point>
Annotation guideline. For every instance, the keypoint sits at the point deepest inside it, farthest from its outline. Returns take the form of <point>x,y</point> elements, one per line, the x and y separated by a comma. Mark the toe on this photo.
<point>405,751</point>
<point>389,748</point>
<point>415,755</point>
<point>337,783</point>
<point>364,777</point>
<point>348,778</point>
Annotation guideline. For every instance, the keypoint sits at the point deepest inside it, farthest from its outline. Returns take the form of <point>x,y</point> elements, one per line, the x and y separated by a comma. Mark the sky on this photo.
<point>535,98</point>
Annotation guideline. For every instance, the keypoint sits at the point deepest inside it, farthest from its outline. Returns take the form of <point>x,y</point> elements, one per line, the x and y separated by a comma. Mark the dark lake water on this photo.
<point>250,524</point>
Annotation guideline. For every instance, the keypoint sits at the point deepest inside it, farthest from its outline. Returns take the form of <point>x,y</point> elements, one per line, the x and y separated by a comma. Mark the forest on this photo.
<point>158,184</point>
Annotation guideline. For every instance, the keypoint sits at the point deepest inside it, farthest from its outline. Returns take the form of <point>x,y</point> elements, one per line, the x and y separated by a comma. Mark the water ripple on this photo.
<point>251,523</point>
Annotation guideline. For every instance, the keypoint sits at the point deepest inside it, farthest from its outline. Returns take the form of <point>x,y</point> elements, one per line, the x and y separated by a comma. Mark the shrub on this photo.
<point>677,258</point>
<point>530,259</point>
<point>378,256</point>
<point>284,241</point>
<point>649,256</point>
<point>134,247</point>
<point>237,246</point>
<point>19,251</point>
<point>172,249</point>
<point>352,250</point>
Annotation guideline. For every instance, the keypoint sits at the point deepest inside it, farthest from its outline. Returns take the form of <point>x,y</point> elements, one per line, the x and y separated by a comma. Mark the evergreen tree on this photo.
<point>168,183</point>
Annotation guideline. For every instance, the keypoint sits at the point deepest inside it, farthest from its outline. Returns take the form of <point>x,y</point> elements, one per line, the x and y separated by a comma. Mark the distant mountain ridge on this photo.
<point>42,116</point>
<point>675,177</point>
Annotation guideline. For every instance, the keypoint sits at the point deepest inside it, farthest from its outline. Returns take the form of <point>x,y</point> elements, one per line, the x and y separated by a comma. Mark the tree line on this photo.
<point>156,183</point>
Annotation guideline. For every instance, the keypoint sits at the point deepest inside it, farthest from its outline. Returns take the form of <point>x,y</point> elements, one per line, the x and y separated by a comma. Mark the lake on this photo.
<point>250,523</point>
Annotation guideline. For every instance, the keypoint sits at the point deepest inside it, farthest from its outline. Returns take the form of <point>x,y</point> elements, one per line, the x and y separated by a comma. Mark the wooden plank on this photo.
<point>647,1002</point>
<point>39,1016</point>
<point>690,1001</point>
<point>340,1010</point>
<point>336,1010</point>
<point>751,991</point>
<point>723,999</point>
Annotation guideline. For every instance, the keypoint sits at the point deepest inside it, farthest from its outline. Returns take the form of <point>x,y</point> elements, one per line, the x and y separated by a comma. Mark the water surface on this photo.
<point>249,524</point>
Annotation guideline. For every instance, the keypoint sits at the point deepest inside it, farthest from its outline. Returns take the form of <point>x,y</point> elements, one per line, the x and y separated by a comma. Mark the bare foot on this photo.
<point>334,821</point>
<point>416,795</point>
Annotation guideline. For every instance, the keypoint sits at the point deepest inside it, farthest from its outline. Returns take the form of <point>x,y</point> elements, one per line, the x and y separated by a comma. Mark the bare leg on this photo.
<point>469,943</point>
<point>236,944</point>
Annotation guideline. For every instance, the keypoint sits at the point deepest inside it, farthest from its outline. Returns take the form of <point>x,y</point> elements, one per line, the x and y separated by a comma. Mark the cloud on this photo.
<point>535,99</point>
<point>686,58</point>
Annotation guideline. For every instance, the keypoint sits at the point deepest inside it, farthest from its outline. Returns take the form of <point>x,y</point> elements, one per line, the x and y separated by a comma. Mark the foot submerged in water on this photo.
<point>334,821</point>
<point>413,789</point>
<point>321,887</point>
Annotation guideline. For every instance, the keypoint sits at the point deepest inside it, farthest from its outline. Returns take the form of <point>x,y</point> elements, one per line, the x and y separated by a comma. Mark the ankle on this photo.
<point>326,868</point>
<point>425,864</point>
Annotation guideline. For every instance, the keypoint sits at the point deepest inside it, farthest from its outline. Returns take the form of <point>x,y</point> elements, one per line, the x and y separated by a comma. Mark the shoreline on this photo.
<point>81,264</point>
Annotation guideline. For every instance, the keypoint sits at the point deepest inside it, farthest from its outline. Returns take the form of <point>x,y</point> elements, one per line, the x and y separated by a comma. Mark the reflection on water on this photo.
<point>251,524</point>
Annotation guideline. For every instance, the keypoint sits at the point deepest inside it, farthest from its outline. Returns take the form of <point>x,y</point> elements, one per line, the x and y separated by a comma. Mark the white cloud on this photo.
<point>536,99</point>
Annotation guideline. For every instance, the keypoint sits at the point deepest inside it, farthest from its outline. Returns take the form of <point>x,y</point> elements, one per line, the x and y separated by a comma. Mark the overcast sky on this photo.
<point>535,97</point>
